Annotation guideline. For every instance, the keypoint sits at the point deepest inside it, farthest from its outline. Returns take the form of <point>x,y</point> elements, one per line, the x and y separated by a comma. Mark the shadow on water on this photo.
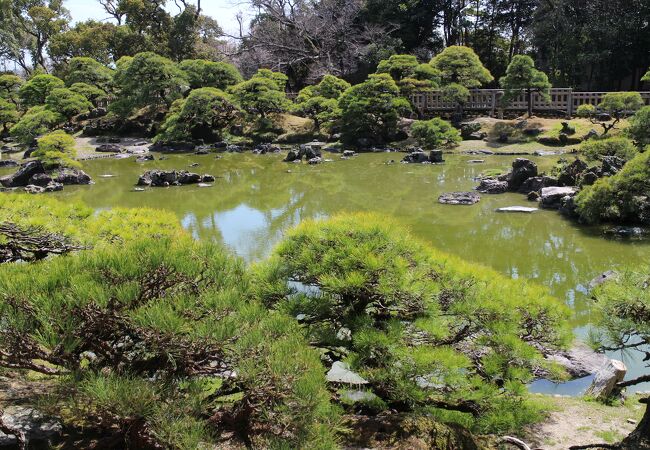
<point>257,197</point>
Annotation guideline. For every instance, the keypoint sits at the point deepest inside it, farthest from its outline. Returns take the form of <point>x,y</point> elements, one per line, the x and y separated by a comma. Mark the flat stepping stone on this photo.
<point>459,198</point>
<point>204,185</point>
<point>476,161</point>
<point>107,175</point>
<point>517,209</point>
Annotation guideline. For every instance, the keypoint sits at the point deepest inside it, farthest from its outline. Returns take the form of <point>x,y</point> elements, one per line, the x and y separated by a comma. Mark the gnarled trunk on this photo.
<point>639,439</point>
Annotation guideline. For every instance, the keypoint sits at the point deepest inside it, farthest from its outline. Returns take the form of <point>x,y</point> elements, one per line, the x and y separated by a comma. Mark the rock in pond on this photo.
<point>517,209</point>
<point>22,176</point>
<point>580,360</point>
<point>52,186</point>
<point>144,158</point>
<point>349,153</point>
<point>162,178</point>
<point>626,232</point>
<point>292,156</point>
<point>459,198</point>
<point>263,149</point>
<point>419,156</point>
<point>72,176</point>
<point>551,197</point>
<point>536,184</point>
<point>522,170</point>
<point>341,373</point>
<point>492,186</point>
<point>315,160</point>
<point>602,278</point>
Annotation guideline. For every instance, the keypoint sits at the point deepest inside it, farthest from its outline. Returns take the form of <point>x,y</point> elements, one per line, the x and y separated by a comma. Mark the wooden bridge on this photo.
<point>564,101</point>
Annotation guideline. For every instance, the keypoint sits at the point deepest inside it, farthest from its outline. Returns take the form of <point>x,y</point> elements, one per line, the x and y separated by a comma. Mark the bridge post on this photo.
<point>569,107</point>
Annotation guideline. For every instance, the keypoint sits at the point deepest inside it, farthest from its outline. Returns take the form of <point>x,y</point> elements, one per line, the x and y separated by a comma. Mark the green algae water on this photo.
<point>255,198</point>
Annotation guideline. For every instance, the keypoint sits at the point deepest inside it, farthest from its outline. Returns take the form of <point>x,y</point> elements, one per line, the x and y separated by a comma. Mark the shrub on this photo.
<point>56,149</point>
<point>201,73</point>
<point>147,80</point>
<point>88,71</point>
<point>621,197</point>
<point>613,107</point>
<point>35,122</point>
<point>459,64</point>
<point>586,111</point>
<point>9,87</point>
<point>148,337</point>
<point>261,95</point>
<point>92,93</point>
<point>429,332</point>
<point>35,90</point>
<point>8,114</point>
<point>435,133</point>
<point>370,110</point>
<point>67,103</point>
<point>621,147</point>
<point>203,115</point>
<point>639,129</point>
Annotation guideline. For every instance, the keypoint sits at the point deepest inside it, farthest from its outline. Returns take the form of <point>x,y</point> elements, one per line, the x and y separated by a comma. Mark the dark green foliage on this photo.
<point>262,94</point>
<point>202,73</point>
<point>146,338</point>
<point>429,332</point>
<point>410,76</point>
<point>35,122</point>
<point>8,114</point>
<point>319,102</point>
<point>459,64</point>
<point>205,114</point>
<point>370,110</point>
<point>92,93</point>
<point>67,102</point>
<point>147,80</point>
<point>522,77</point>
<point>9,87</point>
<point>435,133</point>
<point>399,66</point>
<point>639,128</point>
<point>595,149</point>
<point>621,198</point>
<point>56,149</point>
<point>88,71</point>
<point>35,91</point>
<point>646,77</point>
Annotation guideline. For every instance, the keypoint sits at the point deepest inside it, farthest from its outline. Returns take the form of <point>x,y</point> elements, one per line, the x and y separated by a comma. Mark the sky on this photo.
<point>223,11</point>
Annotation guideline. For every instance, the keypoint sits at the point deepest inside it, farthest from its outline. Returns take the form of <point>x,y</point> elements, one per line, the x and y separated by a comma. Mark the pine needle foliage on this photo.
<point>429,332</point>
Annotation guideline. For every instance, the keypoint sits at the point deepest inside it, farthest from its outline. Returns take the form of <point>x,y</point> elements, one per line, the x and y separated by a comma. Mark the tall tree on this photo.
<point>523,77</point>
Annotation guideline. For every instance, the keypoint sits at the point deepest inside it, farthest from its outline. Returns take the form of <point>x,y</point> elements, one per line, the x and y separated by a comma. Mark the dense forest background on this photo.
<point>584,44</point>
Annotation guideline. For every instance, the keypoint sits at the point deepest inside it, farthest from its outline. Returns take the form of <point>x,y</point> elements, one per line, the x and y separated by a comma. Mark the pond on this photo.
<point>257,197</point>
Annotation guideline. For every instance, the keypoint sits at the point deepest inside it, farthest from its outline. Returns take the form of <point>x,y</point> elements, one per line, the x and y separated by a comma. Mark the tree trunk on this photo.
<point>640,438</point>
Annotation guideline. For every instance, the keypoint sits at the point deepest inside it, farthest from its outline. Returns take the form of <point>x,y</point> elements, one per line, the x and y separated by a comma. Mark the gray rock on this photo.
<point>492,186</point>
<point>207,178</point>
<point>40,179</point>
<point>612,164</point>
<point>459,198</point>
<point>8,163</point>
<point>315,160</point>
<point>602,278</point>
<point>522,169</point>
<point>161,178</point>
<point>435,156</point>
<point>263,149</point>
<point>622,231</point>
<point>517,209</point>
<point>551,197</point>
<point>536,184</point>
<point>72,176</point>
<point>357,396</point>
<point>570,173</point>
<point>144,158</point>
<point>234,149</point>
<point>31,424</point>
<point>341,373</point>
<point>580,360</point>
<point>348,153</point>
<point>22,176</point>
<point>109,148</point>
<point>292,156</point>
<point>476,161</point>
<point>416,157</point>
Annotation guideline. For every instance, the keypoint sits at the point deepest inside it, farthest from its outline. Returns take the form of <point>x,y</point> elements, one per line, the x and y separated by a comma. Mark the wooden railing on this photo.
<point>563,100</point>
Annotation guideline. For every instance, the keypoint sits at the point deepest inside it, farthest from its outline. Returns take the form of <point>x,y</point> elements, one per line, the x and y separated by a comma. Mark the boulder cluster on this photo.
<point>311,154</point>
<point>552,192</point>
<point>418,156</point>
<point>164,178</point>
<point>35,179</point>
